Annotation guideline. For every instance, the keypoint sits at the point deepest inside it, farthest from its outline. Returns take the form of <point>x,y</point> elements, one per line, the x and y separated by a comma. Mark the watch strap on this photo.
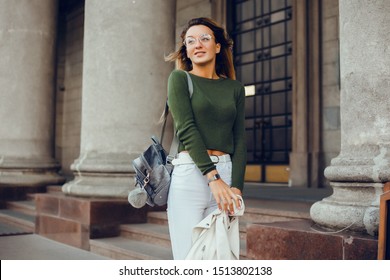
<point>215,177</point>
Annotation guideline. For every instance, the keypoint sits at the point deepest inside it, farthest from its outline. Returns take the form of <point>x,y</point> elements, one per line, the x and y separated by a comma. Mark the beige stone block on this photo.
<point>75,70</point>
<point>330,8</point>
<point>182,4</point>
<point>74,46</point>
<point>72,140</point>
<point>330,74</point>
<point>331,141</point>
<point>330,52</point>
<point>74,111</point>
<point>75,33</point>
<point>331,118</point>
<point>330,96</point>
<point>75,19</point>
<point>75,57</point>
<point>192,9</point>
<point>73,133</point>
<point>330,29</point>
<point>74,93</point>
<point>75,83</point>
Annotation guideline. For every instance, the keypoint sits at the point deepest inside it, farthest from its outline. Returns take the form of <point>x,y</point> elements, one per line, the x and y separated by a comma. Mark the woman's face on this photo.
<point>201,46</point>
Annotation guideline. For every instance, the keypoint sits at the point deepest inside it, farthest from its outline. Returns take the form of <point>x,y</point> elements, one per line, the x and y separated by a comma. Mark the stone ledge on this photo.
<point>75,220</point>
<point>300,240</point>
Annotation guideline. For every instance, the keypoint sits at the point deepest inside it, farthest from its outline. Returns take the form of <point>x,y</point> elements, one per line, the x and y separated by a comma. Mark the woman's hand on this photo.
<point>223,194</point>
<point>236,191</point>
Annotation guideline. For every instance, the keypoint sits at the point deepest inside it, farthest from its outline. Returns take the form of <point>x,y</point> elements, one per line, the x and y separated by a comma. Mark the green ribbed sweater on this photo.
<point>214,118</point>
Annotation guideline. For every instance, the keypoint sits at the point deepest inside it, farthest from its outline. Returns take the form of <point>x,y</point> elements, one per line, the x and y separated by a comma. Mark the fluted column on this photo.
<point>124,90</point>
<point>358,174</point>
<point>27,52</point>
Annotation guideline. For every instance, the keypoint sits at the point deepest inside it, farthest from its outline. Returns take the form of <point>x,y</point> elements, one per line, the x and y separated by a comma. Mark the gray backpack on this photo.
<point>153,169</point>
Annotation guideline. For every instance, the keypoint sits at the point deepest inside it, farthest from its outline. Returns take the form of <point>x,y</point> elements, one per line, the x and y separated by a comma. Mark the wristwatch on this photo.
<point>215,177</point>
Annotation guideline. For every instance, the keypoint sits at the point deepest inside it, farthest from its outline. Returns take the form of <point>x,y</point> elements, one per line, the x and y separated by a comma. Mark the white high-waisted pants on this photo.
<point>189,202</point>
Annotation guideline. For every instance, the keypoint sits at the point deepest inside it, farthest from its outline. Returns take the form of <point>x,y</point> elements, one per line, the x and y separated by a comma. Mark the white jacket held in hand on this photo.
<point>217,237</point>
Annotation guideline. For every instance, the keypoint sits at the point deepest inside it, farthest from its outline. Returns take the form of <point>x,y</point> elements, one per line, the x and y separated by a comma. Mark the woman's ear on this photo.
<point>218,48</point>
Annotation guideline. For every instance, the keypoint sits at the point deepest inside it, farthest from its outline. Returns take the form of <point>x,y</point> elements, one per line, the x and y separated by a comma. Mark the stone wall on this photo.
<point>330,80</point>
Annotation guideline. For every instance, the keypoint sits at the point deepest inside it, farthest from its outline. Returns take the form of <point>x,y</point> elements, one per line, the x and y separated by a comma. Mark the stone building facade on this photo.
<point>84,83</point>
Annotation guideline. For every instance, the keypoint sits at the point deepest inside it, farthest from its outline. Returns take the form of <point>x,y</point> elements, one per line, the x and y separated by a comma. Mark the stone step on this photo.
<point>150,233</point>
<point>256,211</point>
<point>19,192</point>
<point>158,217</point>
<point>124,248</point>
<point>18,219</point>
<point>119,248</point>
<point>156,232</point>
<point>23,206</point>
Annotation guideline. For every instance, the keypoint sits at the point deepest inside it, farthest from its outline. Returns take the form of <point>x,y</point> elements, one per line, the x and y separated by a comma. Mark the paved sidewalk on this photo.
<point>36,247</point>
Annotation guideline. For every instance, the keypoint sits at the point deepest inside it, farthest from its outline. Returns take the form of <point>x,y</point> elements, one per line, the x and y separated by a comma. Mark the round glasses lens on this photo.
<point>205,38</point>
<point>189,41</point>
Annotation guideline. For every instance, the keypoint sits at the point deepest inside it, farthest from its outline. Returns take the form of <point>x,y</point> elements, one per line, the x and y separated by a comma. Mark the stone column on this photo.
<point>124,90</point>
<point>362,168</point>
<point>27,51</point>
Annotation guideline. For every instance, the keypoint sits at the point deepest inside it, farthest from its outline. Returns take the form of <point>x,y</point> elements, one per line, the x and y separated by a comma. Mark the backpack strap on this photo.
<point>190,85</point>
<point>175,141</point>
<point>166,109</point>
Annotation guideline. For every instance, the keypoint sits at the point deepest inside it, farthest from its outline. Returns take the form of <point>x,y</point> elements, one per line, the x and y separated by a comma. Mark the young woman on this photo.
<point>209,169</point>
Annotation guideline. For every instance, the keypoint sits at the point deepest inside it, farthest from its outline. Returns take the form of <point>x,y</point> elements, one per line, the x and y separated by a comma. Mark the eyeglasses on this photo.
<point>203,39</point>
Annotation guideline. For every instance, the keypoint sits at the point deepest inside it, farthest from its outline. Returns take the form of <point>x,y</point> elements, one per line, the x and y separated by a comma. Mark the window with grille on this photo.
<point>262,34</point>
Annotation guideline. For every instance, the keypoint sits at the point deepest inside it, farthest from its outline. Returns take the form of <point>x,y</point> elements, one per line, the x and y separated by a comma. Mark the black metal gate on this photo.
<point>262,34</point>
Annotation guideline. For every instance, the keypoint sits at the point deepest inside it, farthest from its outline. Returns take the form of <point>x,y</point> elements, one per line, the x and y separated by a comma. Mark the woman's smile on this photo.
<point>200,53</point>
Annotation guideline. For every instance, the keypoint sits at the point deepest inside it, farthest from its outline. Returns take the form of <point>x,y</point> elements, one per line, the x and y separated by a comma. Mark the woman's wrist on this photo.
<point>213,176</point>
<point>210,174</point>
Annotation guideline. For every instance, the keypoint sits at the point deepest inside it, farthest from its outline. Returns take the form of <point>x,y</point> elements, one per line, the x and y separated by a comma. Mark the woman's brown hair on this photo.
<point>224,60</point>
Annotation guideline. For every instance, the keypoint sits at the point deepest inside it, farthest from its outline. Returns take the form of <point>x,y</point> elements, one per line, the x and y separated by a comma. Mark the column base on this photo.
<point>101,185</point>
<point>352,206</point>
<point>29,172</point>
<point>23,179</point>
<point>102,175</point>
<point>302,240</point>
<point>74,221</point>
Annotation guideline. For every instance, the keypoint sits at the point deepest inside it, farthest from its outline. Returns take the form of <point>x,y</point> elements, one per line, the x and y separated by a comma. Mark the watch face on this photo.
<point>215,177</point>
